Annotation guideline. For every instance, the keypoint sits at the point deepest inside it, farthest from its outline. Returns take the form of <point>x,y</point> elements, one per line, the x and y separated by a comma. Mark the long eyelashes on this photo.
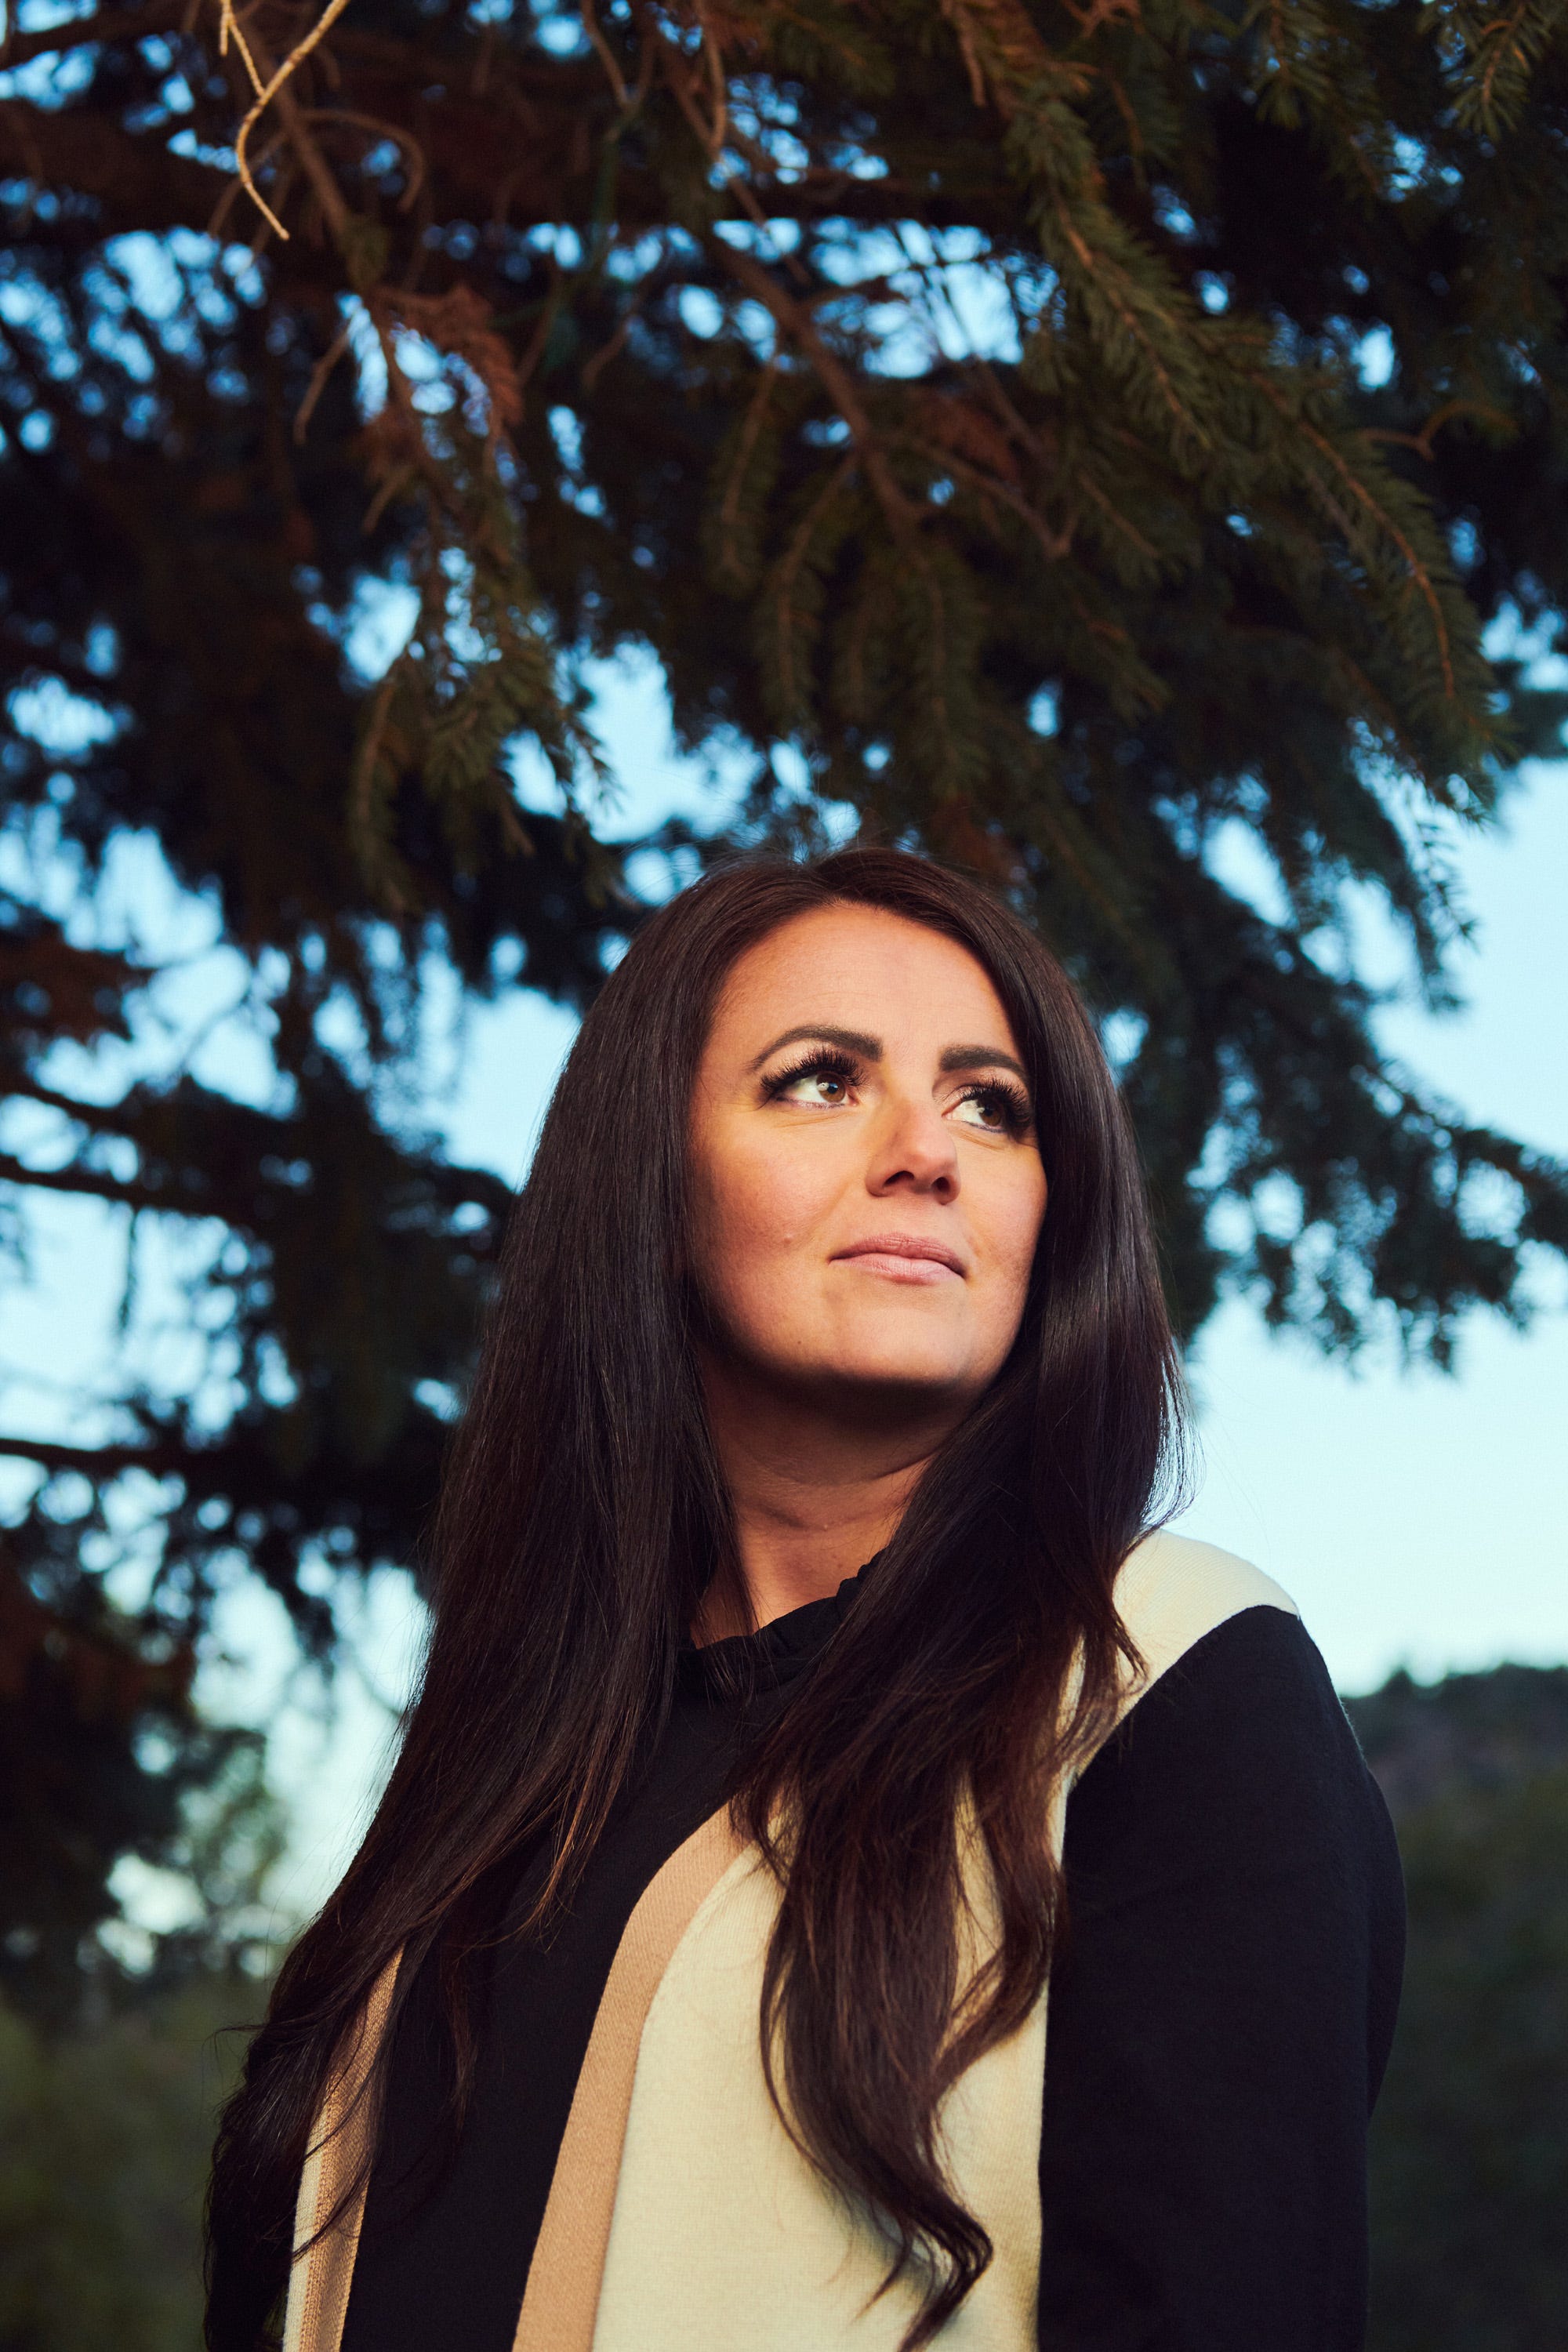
<point>832,1062</point>
<point>1013,1102</point>
<point>823,1061</point>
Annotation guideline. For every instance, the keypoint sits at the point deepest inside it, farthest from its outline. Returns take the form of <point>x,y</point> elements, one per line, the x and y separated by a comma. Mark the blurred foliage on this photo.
<point>106,1763</point>
<point>108,2107</point>
<point>1121,447</point>
<point>1470,2148</point>
<point>105,2138</point>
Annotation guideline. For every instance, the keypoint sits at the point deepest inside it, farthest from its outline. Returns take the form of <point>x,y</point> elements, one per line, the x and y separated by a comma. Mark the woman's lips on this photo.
<point>904,1258</point>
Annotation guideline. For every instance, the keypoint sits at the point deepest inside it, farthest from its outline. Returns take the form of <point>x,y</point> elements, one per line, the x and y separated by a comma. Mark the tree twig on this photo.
<point>318,383</point>
<point>604,54</point>
<point>275,88</point>
<point>418,167</point>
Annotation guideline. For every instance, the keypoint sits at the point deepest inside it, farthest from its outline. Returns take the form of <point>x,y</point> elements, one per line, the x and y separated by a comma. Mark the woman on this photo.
<point>809,1708</point>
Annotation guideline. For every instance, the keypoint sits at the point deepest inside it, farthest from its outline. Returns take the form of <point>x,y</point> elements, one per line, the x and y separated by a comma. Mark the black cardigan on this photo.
<point>1221,2014</point>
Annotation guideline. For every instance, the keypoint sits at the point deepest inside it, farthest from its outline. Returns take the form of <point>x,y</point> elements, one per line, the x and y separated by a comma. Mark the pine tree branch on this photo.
<point>1125,311</point>
<point>96,1462</point>
<point>1419,573</point>
<point>1118,521</point>
<point>789,570</point>
<point>1054,544</point>
<point>751,427</point>
<point>794,319</point>
<point>124,1194</point>
<point>103,1119</point>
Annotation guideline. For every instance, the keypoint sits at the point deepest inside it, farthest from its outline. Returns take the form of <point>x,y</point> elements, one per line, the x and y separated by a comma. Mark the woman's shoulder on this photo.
<point>1173,1590</point>
<point>1223,2005</point>
<point>1228,1691</point>
<point>1230,1731</point>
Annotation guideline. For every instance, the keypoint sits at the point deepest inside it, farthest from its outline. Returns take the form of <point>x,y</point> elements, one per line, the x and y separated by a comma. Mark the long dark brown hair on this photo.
<point>583,1517</point>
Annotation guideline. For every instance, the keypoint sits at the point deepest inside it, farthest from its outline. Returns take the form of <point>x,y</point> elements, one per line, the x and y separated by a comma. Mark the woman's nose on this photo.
<point>913,1150</point>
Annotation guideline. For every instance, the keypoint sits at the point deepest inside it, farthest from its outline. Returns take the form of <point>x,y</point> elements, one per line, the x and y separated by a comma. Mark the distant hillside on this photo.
<point>1470,2145</point>
<point>1426,1740</point>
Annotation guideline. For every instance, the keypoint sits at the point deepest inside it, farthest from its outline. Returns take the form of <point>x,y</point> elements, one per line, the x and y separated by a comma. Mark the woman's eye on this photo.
<point>822,1086</point>
<point>993,1108</point>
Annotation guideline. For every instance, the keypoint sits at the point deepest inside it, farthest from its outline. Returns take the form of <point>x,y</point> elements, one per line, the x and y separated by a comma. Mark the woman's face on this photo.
<point>866,1183</point>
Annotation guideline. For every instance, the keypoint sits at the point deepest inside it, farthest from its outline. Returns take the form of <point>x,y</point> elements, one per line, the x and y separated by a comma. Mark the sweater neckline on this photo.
<point>777,1653</point>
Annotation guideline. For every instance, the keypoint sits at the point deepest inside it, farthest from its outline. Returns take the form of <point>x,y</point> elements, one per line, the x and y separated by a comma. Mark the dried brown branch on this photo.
<point>316,170</point>
<point>235,189</point>
<point>1101,12</point>
<point>459,323</point>
<point>1001,47</point>
<point>683,76</point>
<point>1422,441</point>
<point>540,335</point>
<point>710,51</point>
<point>1503,36</point>
<point>274,88</point>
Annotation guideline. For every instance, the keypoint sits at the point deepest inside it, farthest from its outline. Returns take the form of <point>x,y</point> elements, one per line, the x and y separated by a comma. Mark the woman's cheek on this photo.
<point>777,1195</point>
<point>746,1227</point>
<point>1008,1238</point>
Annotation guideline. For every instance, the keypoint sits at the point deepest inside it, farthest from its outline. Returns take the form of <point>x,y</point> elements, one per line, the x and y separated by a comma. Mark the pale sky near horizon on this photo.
<point>1416,1519</point>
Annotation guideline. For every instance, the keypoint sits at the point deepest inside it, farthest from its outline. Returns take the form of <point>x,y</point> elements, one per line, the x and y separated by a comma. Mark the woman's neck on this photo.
<point>814,1489</point>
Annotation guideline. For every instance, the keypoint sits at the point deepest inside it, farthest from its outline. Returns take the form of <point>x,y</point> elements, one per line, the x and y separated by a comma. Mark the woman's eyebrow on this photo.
<point>860,1040</point>
<point>980,1058</point>
<point>854,1041</point>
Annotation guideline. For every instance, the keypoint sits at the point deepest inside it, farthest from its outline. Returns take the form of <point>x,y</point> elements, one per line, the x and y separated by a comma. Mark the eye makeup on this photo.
<point>1008,1099</point>
<point>822,1061</point>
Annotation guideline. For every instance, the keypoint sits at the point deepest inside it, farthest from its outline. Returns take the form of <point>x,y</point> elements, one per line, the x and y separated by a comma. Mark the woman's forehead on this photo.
<point>861,968</point>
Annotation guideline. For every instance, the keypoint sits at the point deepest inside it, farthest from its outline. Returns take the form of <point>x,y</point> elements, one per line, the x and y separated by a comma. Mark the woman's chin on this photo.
<point>880,1383</point>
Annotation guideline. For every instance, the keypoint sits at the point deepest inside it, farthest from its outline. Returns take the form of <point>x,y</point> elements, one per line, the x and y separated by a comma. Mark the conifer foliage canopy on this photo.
<point>1080,438</point>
